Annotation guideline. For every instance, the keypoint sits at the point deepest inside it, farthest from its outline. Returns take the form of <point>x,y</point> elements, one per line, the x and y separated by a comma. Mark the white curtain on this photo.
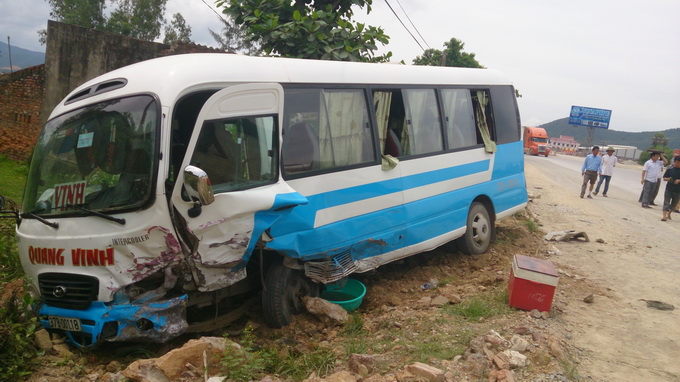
<point>342,128</point>
<point>381,103</point>
<point>460,121</point>
<point>489,145</point>
<point>423,124</point>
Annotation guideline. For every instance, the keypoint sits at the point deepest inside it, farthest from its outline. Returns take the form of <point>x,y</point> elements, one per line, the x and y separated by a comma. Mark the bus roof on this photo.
<point>174,76</point>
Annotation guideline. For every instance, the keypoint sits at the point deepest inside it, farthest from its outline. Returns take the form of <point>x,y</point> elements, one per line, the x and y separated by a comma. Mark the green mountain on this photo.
<point>22,58</point>
<point>640,140</point>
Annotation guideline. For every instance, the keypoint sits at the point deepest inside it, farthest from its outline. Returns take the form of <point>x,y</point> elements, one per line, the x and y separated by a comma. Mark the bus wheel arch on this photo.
<point>282,293</point>
<point>480,229</point>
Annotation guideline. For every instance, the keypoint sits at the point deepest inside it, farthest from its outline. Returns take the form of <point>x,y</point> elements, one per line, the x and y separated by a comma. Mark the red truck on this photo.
<point>536,141</point>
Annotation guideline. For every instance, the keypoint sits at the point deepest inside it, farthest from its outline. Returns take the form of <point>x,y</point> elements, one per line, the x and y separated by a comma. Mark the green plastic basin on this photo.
<point>348,296</point>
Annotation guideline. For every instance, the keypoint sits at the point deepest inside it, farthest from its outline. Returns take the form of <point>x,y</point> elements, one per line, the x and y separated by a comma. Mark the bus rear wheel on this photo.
<point>479,231</point>
<point>282,294</point>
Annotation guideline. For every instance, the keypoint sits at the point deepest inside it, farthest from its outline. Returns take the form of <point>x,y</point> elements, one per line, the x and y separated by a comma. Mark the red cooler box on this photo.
<point>532,283</point>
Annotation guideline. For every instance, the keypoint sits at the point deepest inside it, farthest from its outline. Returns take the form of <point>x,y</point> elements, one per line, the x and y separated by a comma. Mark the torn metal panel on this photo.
<point>155,321</point>
<point>160,249</point>
<point>168,320</point>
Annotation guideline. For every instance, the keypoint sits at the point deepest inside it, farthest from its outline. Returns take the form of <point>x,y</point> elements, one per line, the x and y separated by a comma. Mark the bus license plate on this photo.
<point>70,324</point>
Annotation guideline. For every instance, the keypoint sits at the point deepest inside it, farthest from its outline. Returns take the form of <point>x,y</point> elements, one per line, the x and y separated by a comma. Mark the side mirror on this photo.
<point>198,186</point>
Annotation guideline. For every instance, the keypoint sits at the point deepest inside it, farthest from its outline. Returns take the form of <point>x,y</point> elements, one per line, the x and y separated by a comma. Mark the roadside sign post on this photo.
<point>591,118</point>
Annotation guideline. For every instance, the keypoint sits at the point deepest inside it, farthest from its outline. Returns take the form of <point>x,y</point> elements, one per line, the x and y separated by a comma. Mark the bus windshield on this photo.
<point>97,158</point>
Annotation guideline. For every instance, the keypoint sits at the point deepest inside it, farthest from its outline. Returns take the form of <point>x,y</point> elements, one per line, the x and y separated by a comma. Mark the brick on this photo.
<point>428,372</point>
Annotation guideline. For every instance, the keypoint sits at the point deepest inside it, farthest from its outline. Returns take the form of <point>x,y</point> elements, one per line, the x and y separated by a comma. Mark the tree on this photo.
<point>452,55</point>
<point>235,39</point>
<point>84,13</point>
<point>142,19</point>
<point>659,143</point>
<point>659,140</point>
<point>177,31</point>
<point>318,29</point>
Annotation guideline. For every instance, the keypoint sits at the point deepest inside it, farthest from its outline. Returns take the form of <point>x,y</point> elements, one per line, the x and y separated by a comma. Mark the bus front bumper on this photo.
<point>156,321</point>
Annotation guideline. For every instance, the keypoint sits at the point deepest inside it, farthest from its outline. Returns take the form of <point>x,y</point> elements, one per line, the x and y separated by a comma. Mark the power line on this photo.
<point>413,25</point>
<point>211,8</point>
<point>402,24</point>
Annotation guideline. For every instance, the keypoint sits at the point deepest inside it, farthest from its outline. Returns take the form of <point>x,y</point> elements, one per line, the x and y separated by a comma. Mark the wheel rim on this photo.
<point>296,290</point>
<point>480,230</point>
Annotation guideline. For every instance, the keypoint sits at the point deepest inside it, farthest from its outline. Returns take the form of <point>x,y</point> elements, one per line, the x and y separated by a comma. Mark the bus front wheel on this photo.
<point>479,231</point>
<point>282,294</point>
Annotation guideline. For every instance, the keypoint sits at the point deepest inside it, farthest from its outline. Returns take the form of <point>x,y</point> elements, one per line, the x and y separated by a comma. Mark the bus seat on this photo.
<point>300,148</point>
<point>138,162</point>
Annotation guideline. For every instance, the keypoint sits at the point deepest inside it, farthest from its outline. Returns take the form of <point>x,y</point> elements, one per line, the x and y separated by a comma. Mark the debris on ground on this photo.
<point>566,236</point>
<point>189,362</point>
<point>325,310</point>
<point>658,305</point>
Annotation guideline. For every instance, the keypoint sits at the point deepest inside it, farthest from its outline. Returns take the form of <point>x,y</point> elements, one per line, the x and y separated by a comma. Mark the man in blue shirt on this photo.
<point>589,170</point>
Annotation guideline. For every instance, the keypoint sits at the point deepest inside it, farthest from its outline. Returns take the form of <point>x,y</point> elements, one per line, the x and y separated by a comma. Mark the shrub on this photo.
<point>17,326</point>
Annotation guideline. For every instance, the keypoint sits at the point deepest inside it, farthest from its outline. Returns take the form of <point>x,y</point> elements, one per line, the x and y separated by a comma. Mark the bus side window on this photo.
<point>486,132</point>
<point>423,125</point>
<point>390,115</point>
<point>345,134</point>
<point>459,118</point>
<point>505,114</point>
<point>325,129</point>
<point>300,146</point>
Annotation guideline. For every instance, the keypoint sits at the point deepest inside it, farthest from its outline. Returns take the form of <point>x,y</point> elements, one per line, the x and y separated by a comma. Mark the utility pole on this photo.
<point>589,136</point>
<point>9,49</point>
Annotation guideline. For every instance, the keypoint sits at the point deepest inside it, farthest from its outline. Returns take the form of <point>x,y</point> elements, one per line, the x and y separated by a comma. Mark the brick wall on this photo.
<point>74,55</point>
<point>21,95</point>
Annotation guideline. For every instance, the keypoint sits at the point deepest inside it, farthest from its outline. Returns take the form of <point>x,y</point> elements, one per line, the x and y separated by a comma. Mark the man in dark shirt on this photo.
<point>672,194</point>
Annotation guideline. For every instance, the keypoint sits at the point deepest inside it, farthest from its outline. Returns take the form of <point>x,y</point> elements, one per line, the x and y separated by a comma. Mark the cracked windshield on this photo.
<point>95,158</point>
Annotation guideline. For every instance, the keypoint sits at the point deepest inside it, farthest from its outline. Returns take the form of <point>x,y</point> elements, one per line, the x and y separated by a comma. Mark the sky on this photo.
<point>609,54</point>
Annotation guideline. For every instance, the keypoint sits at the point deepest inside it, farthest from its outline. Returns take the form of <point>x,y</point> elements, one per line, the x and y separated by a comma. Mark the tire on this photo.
<point>479,232</point>
<point>282,294</point>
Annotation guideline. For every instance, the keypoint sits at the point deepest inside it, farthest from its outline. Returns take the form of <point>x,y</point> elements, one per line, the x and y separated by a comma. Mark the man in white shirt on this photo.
<point>660,162</point>
<point>650,176</point>
<point>606,171</point>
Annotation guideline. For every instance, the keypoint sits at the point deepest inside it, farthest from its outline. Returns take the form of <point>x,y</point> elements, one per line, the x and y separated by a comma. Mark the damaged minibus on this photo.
<point>164,196</point>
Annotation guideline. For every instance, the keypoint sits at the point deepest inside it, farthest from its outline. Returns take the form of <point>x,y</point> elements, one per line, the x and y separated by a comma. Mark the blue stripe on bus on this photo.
<point>371,190</point>
<point>401,226</point>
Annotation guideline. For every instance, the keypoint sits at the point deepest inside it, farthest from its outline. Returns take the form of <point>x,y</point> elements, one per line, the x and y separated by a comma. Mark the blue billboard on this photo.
<point>589,116</point>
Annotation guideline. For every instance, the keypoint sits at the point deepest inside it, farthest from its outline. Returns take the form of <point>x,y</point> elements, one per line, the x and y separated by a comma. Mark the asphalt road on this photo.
<point>626,178</point>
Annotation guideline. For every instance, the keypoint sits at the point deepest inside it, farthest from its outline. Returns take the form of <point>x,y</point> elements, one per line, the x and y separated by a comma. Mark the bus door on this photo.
<point>229,190</point>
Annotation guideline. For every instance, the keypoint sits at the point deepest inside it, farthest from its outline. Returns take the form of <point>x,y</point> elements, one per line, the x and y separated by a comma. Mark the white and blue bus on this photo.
<point>163,195</point>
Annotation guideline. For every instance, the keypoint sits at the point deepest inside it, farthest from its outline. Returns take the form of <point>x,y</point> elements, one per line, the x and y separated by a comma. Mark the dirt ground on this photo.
<point>636,260</point>
<point>614,337</point>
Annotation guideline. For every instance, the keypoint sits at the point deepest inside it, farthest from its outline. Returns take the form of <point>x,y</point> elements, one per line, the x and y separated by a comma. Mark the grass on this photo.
<point>569,370</point>
<point>17,321</point>
<point>481,306</point>
<point>531,225</point>
<point>13,175</point>
<point>253,361</point>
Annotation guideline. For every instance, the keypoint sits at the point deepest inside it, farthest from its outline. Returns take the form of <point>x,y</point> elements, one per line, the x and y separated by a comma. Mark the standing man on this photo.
<point>661,162</point>
<point>589,170</point>
<point>672,194</point>
<point>651,173</point>
<point>606,171</point>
